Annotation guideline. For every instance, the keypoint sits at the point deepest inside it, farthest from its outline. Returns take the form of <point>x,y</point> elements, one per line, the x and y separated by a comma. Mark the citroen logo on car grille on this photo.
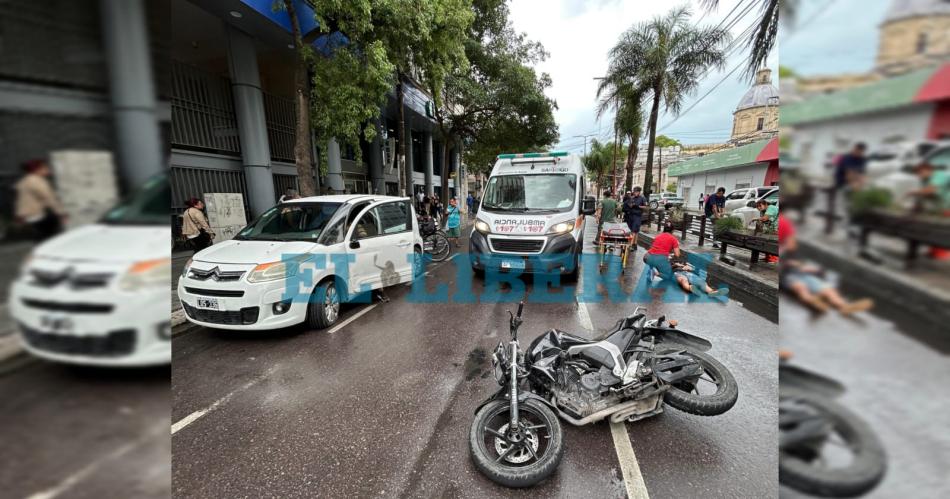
<point>217,274</point>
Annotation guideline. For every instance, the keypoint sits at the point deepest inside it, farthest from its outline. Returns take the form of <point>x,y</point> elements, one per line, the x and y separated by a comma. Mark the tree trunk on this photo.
<point>630,163</point>
<point>651,129</point>
<point>302,147</point>
<point>613,165</point>
<point>405,180</point>
<point>446,143</point>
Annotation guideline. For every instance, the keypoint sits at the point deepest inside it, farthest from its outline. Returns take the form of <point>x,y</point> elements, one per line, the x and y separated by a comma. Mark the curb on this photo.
<point>763,289</point>
<point>897,290</point>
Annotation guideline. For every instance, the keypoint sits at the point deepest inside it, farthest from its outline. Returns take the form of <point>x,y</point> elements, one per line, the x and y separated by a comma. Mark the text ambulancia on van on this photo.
<point>531,218</point>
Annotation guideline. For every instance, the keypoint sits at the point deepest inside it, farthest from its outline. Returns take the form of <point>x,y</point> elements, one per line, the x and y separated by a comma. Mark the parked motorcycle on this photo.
<point>824,449</point>
<point>516,438</point>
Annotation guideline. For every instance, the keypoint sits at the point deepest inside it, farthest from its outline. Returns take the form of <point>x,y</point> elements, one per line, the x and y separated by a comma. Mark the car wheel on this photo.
<point>324,307</point>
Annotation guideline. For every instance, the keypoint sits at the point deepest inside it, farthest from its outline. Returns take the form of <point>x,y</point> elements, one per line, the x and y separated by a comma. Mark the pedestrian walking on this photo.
<point>469,201</point>
<point>714,206</point>
<point>633,213</point>
<point>702,199</point>
<point>36,202</point>
<point>194,225</point>
<point>453,223</point>
<point>607,212</point>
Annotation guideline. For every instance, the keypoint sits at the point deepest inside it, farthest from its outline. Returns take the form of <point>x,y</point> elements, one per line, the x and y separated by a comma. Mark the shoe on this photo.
<point>720,292</point>
<point>857,306</point>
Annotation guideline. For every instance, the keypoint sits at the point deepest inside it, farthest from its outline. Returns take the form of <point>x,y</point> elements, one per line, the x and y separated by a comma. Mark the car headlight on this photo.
<point>147,273</point>
<point>184,271</point>
<point>562,227</point>
<point>482,226</point>
<point>273,271</point>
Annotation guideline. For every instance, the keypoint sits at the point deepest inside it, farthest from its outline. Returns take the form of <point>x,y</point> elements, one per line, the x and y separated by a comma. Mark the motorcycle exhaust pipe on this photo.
<point>597,416</point>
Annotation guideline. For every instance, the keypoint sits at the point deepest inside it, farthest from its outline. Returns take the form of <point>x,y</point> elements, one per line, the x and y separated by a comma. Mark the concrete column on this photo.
<point>409,187</point>
<point>334,167</point>
<point>252,129</point>
<point>139,149</point>
<point>455,168</point>
<point>428,163</point>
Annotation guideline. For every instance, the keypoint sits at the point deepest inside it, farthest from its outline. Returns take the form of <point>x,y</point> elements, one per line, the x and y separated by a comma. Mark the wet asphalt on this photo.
<point>83,432</point>
<point>895,380</point>
<point>383,406</point>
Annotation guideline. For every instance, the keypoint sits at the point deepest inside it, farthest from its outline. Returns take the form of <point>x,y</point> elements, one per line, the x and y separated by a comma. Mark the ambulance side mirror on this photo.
<point>588,205</point>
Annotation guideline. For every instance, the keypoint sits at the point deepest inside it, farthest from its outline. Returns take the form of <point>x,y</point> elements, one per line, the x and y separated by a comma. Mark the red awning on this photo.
<point>769,152</point>
<point>937,87</point>
<point>772,174</point>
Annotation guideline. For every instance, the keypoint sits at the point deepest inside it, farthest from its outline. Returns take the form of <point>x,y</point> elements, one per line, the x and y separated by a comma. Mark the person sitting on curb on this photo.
<point>806,281</point>
<point>657,259</point>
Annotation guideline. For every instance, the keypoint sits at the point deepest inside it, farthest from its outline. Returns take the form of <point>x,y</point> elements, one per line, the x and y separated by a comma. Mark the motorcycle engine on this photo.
<point>582,394</point>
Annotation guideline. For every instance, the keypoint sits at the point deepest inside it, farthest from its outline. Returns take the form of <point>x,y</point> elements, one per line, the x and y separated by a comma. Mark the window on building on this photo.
<point>760,124</point>
<point>921,43</point>
<point>745,184</point>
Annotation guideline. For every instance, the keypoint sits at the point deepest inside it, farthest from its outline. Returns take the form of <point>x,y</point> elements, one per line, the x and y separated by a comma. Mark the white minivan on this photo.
<point>99,294</point>
<point>531,218</point>
<point>299,260</point>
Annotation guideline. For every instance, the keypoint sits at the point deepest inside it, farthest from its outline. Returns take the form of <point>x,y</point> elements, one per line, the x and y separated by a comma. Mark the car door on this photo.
<point>377,245</point>
<point>396,222</point>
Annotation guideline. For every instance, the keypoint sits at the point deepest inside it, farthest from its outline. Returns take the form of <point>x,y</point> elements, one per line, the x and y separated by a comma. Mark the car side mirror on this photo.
<point>354,244</point>
<point>588,205</point>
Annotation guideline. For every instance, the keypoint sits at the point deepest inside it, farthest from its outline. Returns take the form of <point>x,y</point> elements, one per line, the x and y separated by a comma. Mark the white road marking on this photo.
<point>191,418</point>
<point>352,318</point>
<point>94,466</point>
<point>632,478</point>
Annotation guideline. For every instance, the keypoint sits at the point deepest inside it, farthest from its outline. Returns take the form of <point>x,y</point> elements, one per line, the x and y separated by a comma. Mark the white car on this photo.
<point>299,260</point>
<point>898,157</point>
<point>740,198</point>
<point>99,294</point>
<point>666,200</point>
<point>749,212</point>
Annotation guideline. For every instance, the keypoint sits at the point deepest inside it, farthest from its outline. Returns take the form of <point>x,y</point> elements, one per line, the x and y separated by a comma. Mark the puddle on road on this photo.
<point>475,364</point>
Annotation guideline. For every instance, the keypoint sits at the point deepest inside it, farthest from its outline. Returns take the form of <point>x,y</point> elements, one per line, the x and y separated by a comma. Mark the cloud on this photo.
<point>578,35</point>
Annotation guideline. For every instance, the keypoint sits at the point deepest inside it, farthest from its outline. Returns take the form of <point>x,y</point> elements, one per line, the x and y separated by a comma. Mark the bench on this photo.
<point>752,242</point>
<point>914,228</point>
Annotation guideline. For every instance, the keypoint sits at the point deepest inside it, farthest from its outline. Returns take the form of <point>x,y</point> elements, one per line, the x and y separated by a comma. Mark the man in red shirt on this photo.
<point>658,257</point>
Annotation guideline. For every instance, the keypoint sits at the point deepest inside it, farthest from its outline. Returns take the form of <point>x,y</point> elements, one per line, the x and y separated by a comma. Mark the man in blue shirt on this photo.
<point>851,166</point>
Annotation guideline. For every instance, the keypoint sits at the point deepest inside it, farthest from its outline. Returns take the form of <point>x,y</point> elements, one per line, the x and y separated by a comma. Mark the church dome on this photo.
<point>905,9</point>
<point>763,93</point>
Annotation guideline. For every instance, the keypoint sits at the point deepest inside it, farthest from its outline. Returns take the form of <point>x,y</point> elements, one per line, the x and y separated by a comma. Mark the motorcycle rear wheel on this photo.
<point>811,474</point>
<point>689,398</point>
<point>437,246</point>
<point>519,464</point>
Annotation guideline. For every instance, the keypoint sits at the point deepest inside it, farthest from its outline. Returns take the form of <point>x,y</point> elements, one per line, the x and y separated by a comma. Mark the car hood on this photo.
<point>254,252</point>
<point>108,243</point>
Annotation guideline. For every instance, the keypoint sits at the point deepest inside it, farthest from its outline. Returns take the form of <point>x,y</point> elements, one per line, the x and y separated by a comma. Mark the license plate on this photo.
<point>208,303</point>
<point>512,264</point>
<point>57,324</point>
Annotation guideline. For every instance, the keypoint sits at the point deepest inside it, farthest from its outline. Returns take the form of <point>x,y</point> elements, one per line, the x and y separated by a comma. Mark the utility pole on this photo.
<point>585,140</point>
<point>613,179</point>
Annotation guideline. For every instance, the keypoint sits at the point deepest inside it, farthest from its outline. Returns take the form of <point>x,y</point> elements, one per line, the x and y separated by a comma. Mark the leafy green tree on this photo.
<point>662,59</point>
<point>598,163</point>
<point>625,99</point>
<point>763,37</point>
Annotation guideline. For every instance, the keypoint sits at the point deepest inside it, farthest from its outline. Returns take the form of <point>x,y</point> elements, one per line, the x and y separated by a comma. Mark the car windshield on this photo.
<point>290,222</point>
<point>146,206</point>
<point>542,192</point>
<point>765,190</point>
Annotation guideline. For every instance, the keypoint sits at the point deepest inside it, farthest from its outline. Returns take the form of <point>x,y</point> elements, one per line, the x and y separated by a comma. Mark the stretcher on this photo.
<point>613,237</point>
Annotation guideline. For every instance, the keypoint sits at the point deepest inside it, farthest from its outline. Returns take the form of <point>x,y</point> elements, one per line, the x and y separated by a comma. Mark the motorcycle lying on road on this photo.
<point>824,449</point>
<point>516,438</point>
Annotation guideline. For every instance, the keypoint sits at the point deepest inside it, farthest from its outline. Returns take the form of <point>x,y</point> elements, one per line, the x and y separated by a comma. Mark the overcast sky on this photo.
<point>578,34</point>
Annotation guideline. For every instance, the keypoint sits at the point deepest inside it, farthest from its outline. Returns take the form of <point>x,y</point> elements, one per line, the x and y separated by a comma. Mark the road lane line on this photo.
<point>632,478</point>
<point>352,318</point>
<point>191,418</point>
<point>96,464</point>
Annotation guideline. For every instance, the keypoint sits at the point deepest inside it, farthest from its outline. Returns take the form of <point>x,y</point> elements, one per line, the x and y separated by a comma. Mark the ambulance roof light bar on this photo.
<point>548,154</point>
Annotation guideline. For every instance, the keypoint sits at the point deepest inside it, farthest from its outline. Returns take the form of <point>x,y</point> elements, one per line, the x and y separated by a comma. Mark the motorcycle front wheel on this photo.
<point>519,458</point>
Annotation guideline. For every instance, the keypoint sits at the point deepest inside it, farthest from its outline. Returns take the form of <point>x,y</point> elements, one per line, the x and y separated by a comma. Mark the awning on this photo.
<point>756,152</point>
<point>924,85</point>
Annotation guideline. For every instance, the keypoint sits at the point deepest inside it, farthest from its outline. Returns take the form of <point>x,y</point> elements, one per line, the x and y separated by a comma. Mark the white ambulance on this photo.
<point>531,217</point>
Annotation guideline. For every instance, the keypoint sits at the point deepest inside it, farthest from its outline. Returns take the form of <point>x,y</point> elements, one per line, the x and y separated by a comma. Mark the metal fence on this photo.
<point>281,124</point>
<point>195,182</point>
<point>282,183</point>
<point>203,111</point>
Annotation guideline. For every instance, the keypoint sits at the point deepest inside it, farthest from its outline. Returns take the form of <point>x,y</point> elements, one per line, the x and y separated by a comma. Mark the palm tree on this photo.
<point>597,163</point>
<point>763,37</point>
<point>625,100</point>
<point>662,60</point>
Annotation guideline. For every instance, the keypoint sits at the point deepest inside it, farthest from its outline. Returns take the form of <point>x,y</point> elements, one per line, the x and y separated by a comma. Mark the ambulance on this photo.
<point>532,214</point>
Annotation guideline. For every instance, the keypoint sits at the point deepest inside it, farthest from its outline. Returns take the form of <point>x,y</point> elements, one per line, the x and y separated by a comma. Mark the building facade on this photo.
<point>756,115</point>
<point>233,120</point>
<point>750,165</point>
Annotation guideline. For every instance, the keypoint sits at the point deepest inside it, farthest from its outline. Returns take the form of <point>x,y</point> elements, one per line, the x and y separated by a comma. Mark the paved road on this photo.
<point>383,406</point>
<point>895,382</point>
<point>83,433</point>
